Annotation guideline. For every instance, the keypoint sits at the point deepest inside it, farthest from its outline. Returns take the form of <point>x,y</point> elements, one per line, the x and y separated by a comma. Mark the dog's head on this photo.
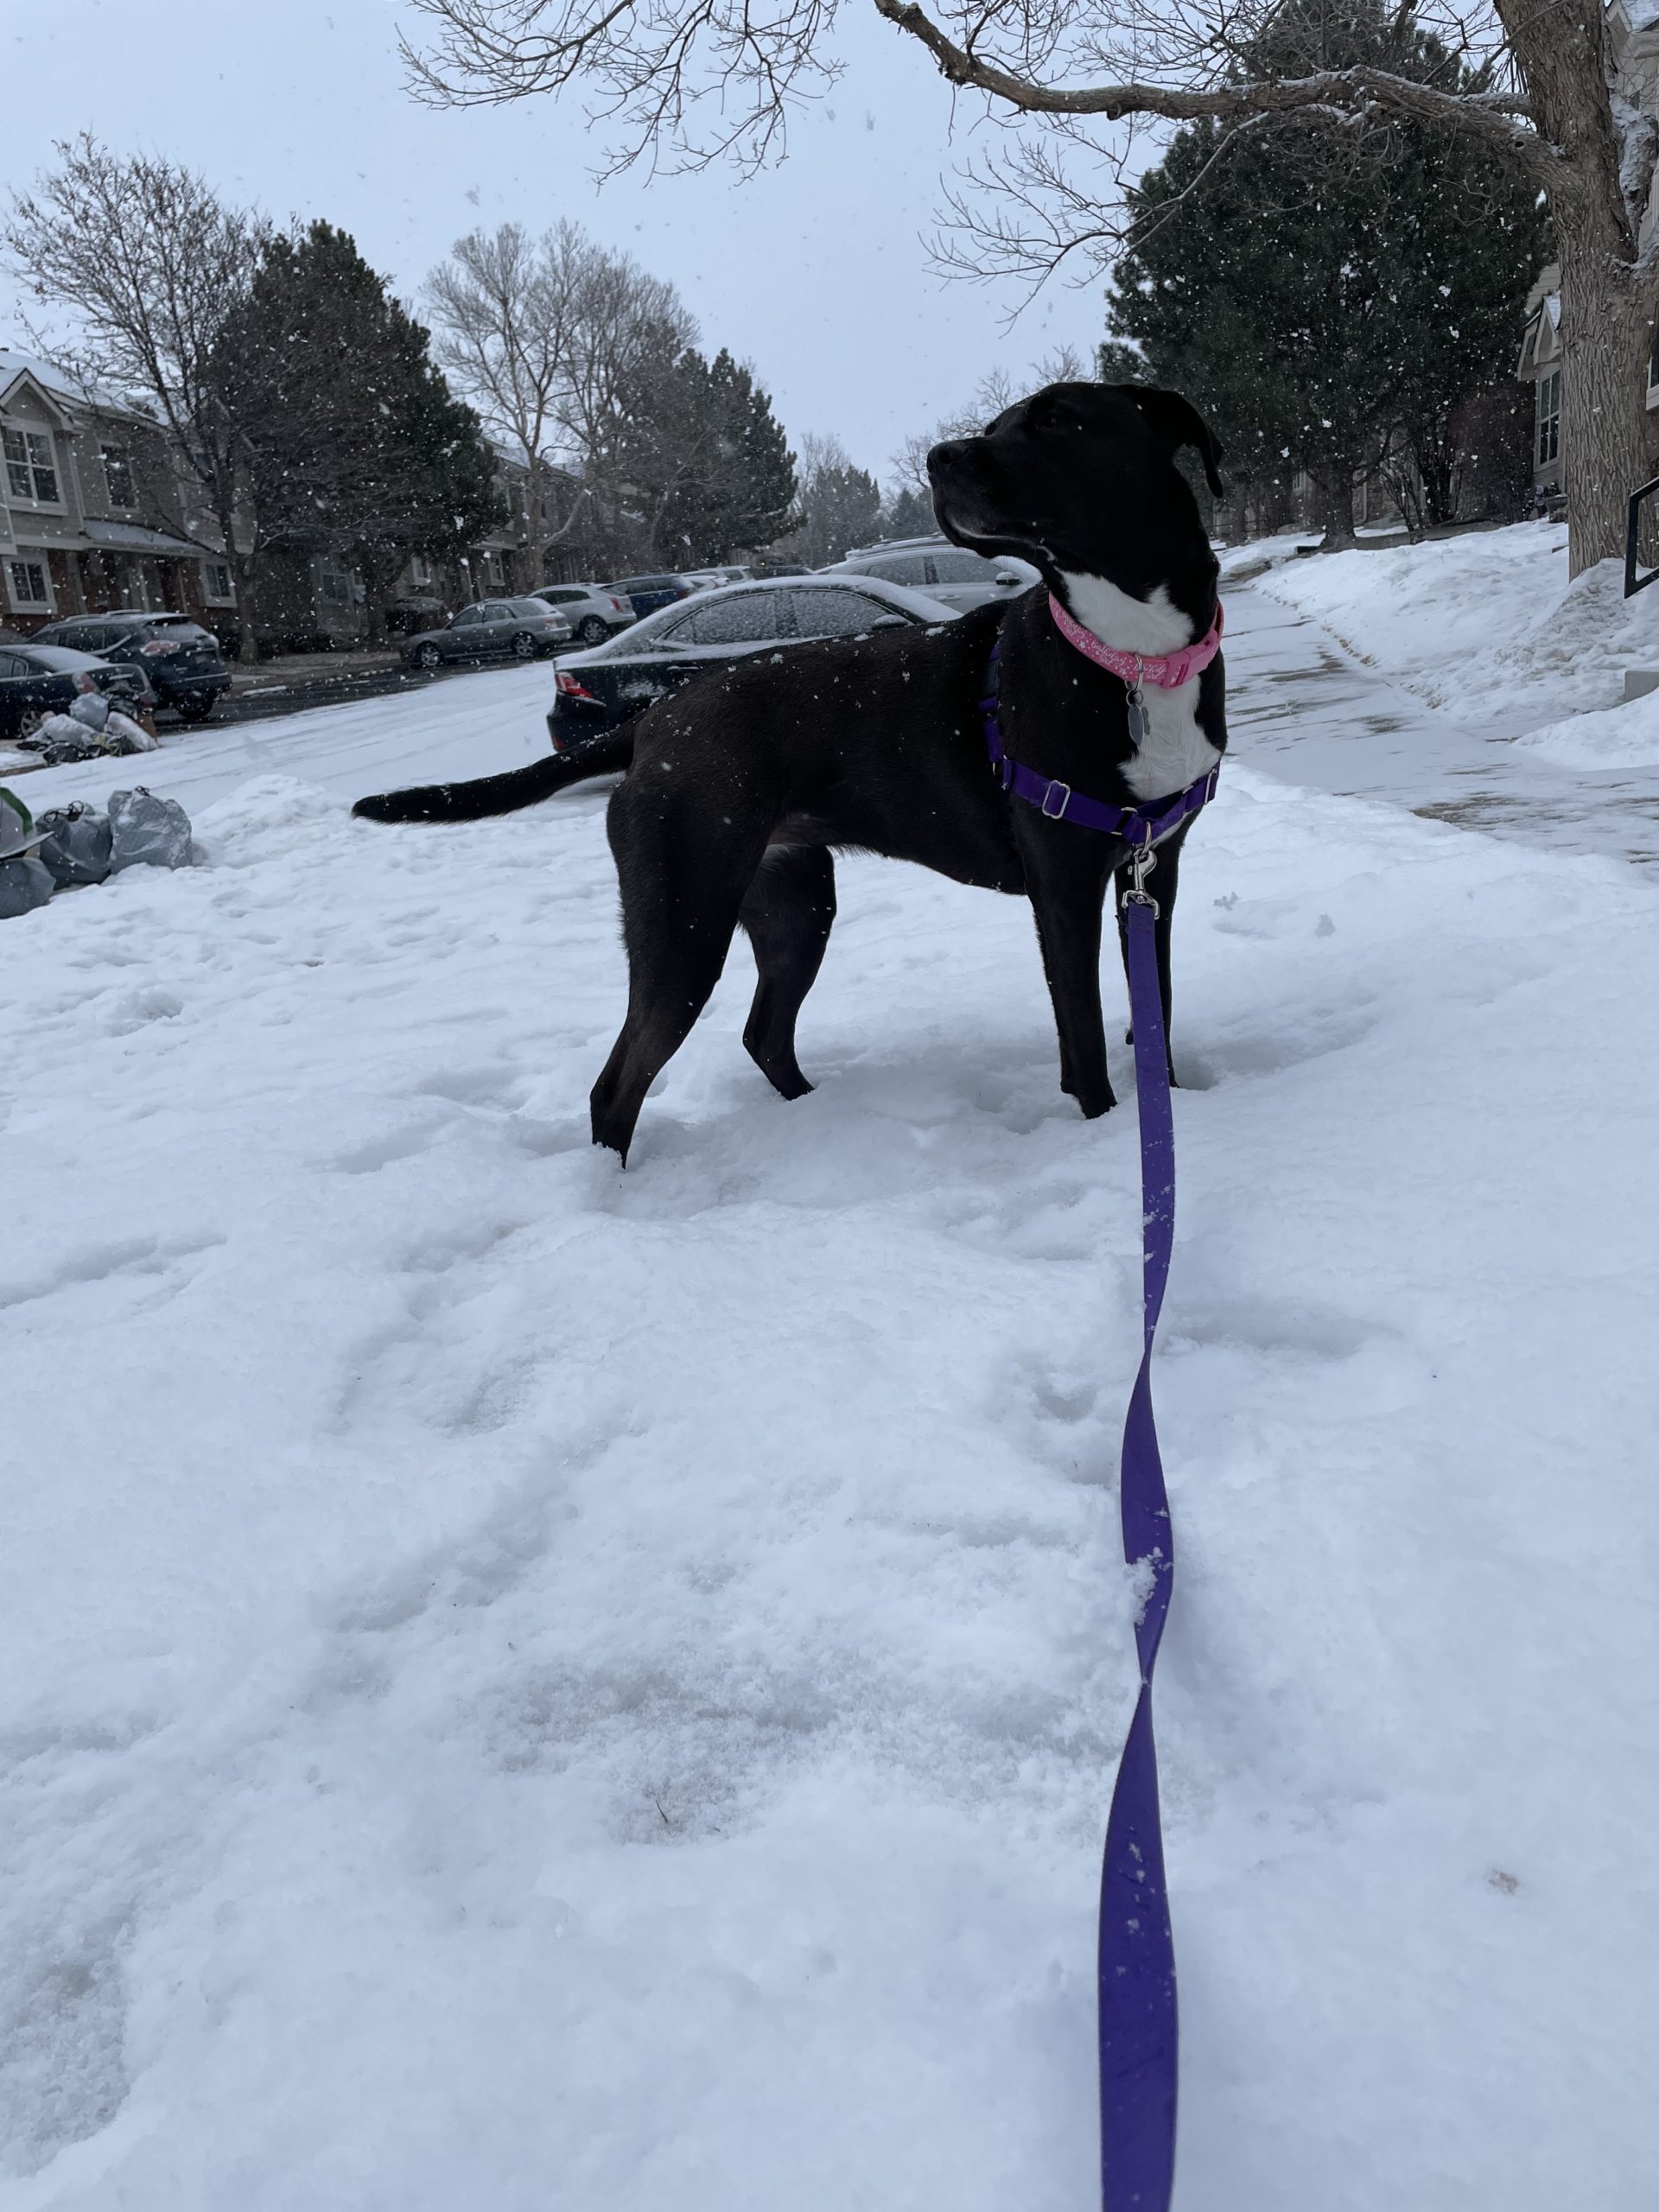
<point>1081,480</point>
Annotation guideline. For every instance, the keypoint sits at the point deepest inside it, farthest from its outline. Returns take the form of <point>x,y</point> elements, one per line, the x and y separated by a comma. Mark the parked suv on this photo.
<point>179,660</point>
<point>593,612</point>
<point>646,594</point>
<point>961,579</point>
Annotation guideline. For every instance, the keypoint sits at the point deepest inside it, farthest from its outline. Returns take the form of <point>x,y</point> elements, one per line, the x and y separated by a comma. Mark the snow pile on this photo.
<point>1485,625</point>
<point>537,1687</point>
<point>1625,736</point>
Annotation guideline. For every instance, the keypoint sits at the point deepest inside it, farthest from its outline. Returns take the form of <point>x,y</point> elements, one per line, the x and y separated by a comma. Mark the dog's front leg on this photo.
<point>1068,890</point>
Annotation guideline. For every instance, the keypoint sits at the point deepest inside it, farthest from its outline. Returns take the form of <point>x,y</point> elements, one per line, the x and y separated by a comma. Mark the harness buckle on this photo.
<point>1057,813</point>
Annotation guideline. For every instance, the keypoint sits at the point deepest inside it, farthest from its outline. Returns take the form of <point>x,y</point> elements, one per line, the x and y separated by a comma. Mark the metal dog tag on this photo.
<point>1139,723</point>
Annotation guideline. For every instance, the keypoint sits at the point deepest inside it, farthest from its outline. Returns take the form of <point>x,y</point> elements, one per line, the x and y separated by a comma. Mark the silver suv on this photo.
<point>593,613</point>
<point>944,571</point>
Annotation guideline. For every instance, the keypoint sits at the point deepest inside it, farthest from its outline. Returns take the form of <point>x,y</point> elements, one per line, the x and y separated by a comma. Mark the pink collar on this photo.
<point>1166,670</point>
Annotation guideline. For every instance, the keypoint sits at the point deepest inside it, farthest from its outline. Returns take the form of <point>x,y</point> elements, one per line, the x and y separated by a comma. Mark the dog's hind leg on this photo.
<point>682,868</point>
<point>787,912</point>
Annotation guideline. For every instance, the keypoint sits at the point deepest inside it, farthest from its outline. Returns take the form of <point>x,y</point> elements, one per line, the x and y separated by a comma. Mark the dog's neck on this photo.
<point>1152,625</point>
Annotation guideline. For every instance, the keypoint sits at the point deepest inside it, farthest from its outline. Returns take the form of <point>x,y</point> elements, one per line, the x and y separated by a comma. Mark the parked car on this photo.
<point>37,679</point>
<point>179,661</point>
<point>490,629</point>
<point>946,571</point>
<point>647,594</point>
<point>594,611</point>
<point>595,691</point>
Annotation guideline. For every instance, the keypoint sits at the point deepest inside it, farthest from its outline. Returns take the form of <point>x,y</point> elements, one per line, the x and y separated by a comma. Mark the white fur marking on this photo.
<point>1147,626</point>
<point>1176,751</point>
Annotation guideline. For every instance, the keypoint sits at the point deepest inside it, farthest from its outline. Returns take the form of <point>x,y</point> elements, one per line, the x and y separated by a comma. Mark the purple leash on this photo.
<point>1136,1975</point>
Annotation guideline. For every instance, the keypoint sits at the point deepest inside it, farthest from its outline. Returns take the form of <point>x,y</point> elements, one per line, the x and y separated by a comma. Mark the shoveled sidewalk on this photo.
<point>1302,708</point>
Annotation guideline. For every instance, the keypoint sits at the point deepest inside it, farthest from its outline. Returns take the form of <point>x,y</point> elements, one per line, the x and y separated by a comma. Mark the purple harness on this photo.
<point>1135,1969</point>
<point>1137,825</point>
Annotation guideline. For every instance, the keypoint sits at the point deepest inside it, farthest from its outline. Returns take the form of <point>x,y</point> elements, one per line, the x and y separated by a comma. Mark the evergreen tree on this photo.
<point>698,452</point>
<point>909,514</point>
<point>355,445</point>
<point>1313,292</point>
<point>839,505</point>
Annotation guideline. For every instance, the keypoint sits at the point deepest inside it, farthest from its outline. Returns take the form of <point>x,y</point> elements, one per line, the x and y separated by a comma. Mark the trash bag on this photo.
<point>77,845</point>
<point>145,830</point>
<point>24,885</point>
<point>60,739</point>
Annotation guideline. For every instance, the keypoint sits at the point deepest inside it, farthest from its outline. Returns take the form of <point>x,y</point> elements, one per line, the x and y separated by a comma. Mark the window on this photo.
<point>118,475</point>
<point>960,568</point>
<point>30,472</point>
<point>335,589</point>
<point>840,614</point>
<point>750,618</point>
<point>902,568</point>
<point>29,583</point>
<point>561,598</point>
<point>1549,417</point>
<point>218,584</point>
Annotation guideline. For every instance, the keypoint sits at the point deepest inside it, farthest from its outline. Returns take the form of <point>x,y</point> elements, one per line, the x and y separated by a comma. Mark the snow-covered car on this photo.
<point>594,691</point>
<point>490,629</point>
<point>593,611</point>
<point>947,572</point>
<point>36,680</point>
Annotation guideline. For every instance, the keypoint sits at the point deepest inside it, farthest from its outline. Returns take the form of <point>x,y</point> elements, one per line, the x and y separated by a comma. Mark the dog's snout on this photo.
<point>948,450</point>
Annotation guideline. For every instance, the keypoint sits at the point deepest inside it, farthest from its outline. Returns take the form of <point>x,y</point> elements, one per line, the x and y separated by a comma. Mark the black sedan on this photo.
<point>179,662</point>
<point>594,691</point>
<point>36,679</point>
<point>490,629</point>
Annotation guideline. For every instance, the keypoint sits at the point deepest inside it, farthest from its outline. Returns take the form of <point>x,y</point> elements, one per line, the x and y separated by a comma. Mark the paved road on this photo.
<point>1300,707</point>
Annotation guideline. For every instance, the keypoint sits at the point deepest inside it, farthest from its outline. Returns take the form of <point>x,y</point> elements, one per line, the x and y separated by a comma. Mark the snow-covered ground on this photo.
<point>531,1686</point>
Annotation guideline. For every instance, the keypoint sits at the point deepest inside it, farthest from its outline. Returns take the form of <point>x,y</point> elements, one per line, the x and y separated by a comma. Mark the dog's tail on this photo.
<point>501,794</point>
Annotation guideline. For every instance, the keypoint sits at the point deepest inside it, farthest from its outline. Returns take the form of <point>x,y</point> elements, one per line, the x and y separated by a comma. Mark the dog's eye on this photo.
<point>1058,417</point>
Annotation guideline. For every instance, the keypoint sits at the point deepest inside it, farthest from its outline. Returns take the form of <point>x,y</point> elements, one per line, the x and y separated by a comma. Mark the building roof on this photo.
<point>133,537</point>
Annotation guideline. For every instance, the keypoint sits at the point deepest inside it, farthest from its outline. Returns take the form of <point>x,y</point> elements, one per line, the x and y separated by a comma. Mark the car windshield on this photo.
<point>180,628</point>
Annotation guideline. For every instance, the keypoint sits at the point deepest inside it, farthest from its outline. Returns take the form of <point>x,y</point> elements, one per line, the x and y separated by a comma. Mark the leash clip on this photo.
<point>1142,861</point>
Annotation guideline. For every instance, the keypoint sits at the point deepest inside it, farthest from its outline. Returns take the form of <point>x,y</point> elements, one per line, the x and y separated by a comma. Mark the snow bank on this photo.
<point>1625,736</point>
<point>537,1687</point>
<point>1485,626</point>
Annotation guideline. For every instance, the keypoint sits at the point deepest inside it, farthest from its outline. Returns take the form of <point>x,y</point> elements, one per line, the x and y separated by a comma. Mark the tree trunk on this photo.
<point>1606,314</point>
<point>1333,508</point>
<point>1607,434</point>
<point>247,606</point>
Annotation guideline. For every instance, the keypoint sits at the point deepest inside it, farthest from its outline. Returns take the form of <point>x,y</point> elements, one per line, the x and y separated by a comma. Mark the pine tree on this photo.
<point>1314,292</point>
<point>355,444</point>
<point>699,454</point>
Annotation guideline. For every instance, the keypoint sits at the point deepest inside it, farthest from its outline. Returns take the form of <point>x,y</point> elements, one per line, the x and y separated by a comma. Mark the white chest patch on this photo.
<point>1174,751</point>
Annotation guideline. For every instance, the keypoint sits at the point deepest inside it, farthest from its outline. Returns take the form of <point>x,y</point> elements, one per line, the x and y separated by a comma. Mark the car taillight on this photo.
<point>572,690</point>
<point>621,606</point>
<point>162,646</point>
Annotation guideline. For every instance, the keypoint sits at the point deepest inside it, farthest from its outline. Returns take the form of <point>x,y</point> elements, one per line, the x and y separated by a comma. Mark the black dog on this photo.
<point>740,788</point>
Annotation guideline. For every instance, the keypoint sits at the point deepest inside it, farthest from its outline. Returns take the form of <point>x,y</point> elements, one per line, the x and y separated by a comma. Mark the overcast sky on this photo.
<point>815,272</point>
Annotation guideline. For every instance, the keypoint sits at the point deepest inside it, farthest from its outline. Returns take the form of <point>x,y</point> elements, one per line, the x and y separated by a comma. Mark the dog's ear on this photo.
<point>1179,423</point>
